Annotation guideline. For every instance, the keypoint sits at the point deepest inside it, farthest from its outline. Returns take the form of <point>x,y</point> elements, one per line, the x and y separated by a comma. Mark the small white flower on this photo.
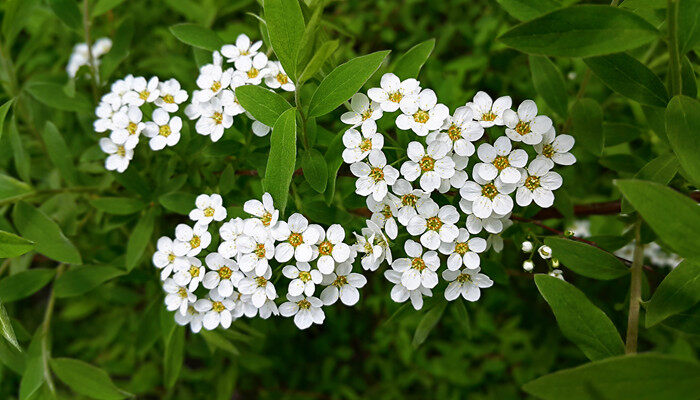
<point>374,177</point>
<point>393,92</point>
<point>297,239</point>
<point>527,246</point>
<point>374,245</point>
<point>242,49</point>
<point>435,225</point>
<point>461,130</point>
<point>230,232</point>
<point>331,249</point>
<point>306,310</point>
<point>419,269</point>
<point>101,47</point>
<point>119,155</point>
<point>464,251</point>
<point>142,92</point>
<point>223,276</point>
<point>163,130</point>
<point>278,78</point>
<point>358,146</point>
<point>264,210</point>
<point>488,196</point>
<point>259,287</point>
<point>556,149</point>
<point>178,298</point>
<point>255,250</point>
<point>460,176</point>
<point>362,112</point>
<point>537,183</point>
<point>492,224</point>
<point>209,208</point>
<point>216,310</point>
<point>191,317</point>
<point>304,279</point>
<point>191,273</point>
<point>127,126</point>
<point>526,125</point>
<point>409,200</point>
<point>190,240</point>
<point>422,113</point>
<point>213,120</point>
<point>383,213</point>
<point>400,294</point>
<point>431,166</point>
<point>343,284</point>
<point>557,274</point>
<point>170,95</point>
<point>105,113</point>
<point>466,282</point>
<point>252,70</point>
<point>488,112</point>
<point>500,160</point>
<point>528,265</point>
<point>545,252</point>
<point>165,259</point>
<point>212,79</point>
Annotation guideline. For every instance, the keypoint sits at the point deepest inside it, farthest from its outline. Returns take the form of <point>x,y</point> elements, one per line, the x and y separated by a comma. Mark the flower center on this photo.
<point>168,98</point>
<point>409,200</point>
<point>215,86</point>
<point>144,94</point>
<point>171,257</point>
<point>366,145</point>
<point>489,116</point>
<point>501,163</point>
<point>295,239</point>
<point>218,118</point>
<point>252,73</point>
<point>121,151</point>
<point>195,241</point>
<point>395,97</point>
<point>266,218</point>
<point>548,151</point>
<point>305,276</point>
<point>243,52</point>
<point>164,131</point>
<point>418,263</point>
<point>421,116</point>
<point>377,174</point>
<point>260,250</point>
<point>225,272</point>
<point>304,304</point>
<point>426,163</point>
<point>368,247</point>
<point>461,248</point>
<point>367,114</point>
<point>341,280</point>
<point>386,212</point>
<point>282,78</point>
<point>454,132</point>
<point>182,292</point>
<point>218,306</point>
<point>208,212</point>
<point>523,128</point>
<point>434,224</point>
<point>325,248</point>
<point>131,128</point>
<point>532,182</point>
<point>194,271</point>
<point>489,191</point>
<point>463,278</point>
<point>261,281</point>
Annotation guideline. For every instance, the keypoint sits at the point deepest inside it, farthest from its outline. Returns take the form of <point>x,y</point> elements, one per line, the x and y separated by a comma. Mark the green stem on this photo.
<point>41,192</point>
<point>674,62</point>
<point>46,330</point>
<point>94,72</point>
<point>635,291</point>
<point>304,138</point>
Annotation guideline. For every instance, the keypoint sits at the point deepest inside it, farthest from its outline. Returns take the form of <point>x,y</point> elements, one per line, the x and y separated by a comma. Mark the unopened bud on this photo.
<point>528,265</point>
<point>555,262</point>
<point>527,246</point>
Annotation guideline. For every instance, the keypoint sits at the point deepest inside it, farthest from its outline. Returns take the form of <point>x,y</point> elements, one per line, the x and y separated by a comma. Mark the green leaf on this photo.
<point>36,226</point>
<point>580,320</point>
<point>319,58</point>
<point>660,170</point>
<point>343,82</point>
<point>118,205</point>
<point>102,6</point>
<point>68,12</point>
<point>661,207</point>
<point>174,356</point>
<point>617,132</point>
<point>524,10</point>
<point>686,321</point>
<point>625,75</point>
<point>282,158</point>
<point>630,377</point>
<point>178,202</point>
<point>410,63</point>
<point>688,25</point>
<point>315,170</point>
<point>586,260</point>
<point>463,316</point>
<point>679,291</point>
<point>120,49</point>
<point>77,281</point>
<point>264,105</point>
<point>32,378</point>
<point>3,113</point>
<point>587,119</point>
<point>306,46</point>
<point>682,122</point>
<point>52,95</point>
<point>60,154</point>
<point>690,85</point>
<point>334,160</point>
<point>17,13</point>
<point>549,83</point>
<point>581,31</point>
<point>216,340</point>
<point>139,239</point>
<point>285,25</point>
<point>427,323</point>
<point>11,187</point>
<point>8,332</point>
<point>12,245</point>
<point>24,284</point>
<point>86,379</point>
<point>197,36</point>
<point>21,161</point>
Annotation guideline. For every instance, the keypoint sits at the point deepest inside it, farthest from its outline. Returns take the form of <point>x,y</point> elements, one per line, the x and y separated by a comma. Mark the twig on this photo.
<point>635,291</point>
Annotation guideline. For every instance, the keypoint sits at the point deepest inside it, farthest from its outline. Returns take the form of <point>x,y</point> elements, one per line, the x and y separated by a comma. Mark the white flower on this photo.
<point>213,120</point>
<point>374,177</point>
<point>209,208</point>
<point>435,225</point>
<point>393,92</point>
<point>419,269</point>
<point>492,224</point>
<point>537,184</point>
<point>190,240</point>
<point>527,246</point>
<point>342,283</point>
<point>170,95</point>
<point>191,317</point>
<point>265,211</point>
<point>399,293</point>
<point>555,149</point>
<point>557,274</point>
<point>331,248</point>
<point>528,265</point>
<point>297,239</point>
<point>461,130</point>
<point>242,49</point>
<point>545,252</point>
<point>101,47</point>
<point>230,232</point>
<point>409,200</point>
<point>212,79</point>
<point>358,146</point>
<point>163,130</point>
<point>304,279</point>
<point>105,113</point>
<point>383,213</point>
<point>466,282</point>
<point>422,113</point>
<point>127,126</point>
<point>119,155</point>
<point>362,111</point>
<point>488,196</point>
<point>488,112</point>
<point>142,92</point>
<point>224,274</point>
<point>259,129</point>
<point>252,70</point>
<point>165,259</point>
<point>432,165</point>
<point>278,78</point>
<point>374,245</point>
<point>306,310</point>
<point>500,160</point>
<point>460,176</point>
<point>464,251</point>
<point>526,125</point>
<point>216,310</point>
<point>178,297</point>
<point>259,287</point>
<point>255,250</point>
<point>190,273</point>
<point>268,308</point>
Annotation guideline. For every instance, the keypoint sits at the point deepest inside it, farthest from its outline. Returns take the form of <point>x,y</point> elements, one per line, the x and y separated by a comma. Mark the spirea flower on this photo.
<point>119,155</point>
<point>304,279</point>
<point>461,130</point>
<point>297,239</point>
<point>399,293</point>
<point>256,250</point>
<point>393,92</point>
<point>359,145</point>
<point>343,284</point>
<point>467,282</point>
<point>170,95</point>
<point>127,126</point>
<point>537,184</point>
<point>277,78</point>
<point>488,196</point>
<point>213,120</point>
<point>223,276</point>
<point>463,251</point>
<point>212,79</point>
<point>216,310</point>
<point>525,125</point>
<point>209,208</point>
<point>488,112</point>
<point>331,249</point>
<point>555,149</point>
<point>422,113</point>
<point>191,240</point>
<point>430,165</point>
<point>409,199</point>
<point>306,310</point>
<point>418,269</point>
<point>163,130</point>
<point>435,224</point>
<point>375,176</point>
<point>384,213</point>
<point>178,297</point>
<point>264,210</point>
<point>362,112</point>
<point>190,273</point>
<point>259,287</point>
<point>243,48</point>
<point>142,91</point>
<point>500,160</point>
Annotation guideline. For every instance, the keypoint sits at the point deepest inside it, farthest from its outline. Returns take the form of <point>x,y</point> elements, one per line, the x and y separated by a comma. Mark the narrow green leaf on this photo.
<point>463,316</point>
<point>3,113</point>
<point>21,160</point>
<point>32,378</point>
<point>264,105</point>
<point>581,31</point>
<point>174,356</point>
<point>549,84</point>
<point>36,226</point>
<point>524,10</point>
<point>103,6</point>
<point>60,154</point>
<point>688,80</point>
<point>580,320</point>
<point>118,205</point>
<point>86,379</point>
<point>682,122</point>
<point>679,291</point>
<point>121,44</point>
<point>80,280</point>
<point>217,341</point>
<point>285,25</point>
<point>660,207</point>
<point>178,202</point>
<point>12,245</point>
<point>306,46</point>
<point>427,323</point>
<point>688,25</point>
<point>68,12</point>
<point>139,239</point>
<point>618,132</point>
<point>197,36</point>
<point>315,170</point>
<point>52,95</point>
<point>228,180</point>
<point>630,377</point>
<point>343,82</point>
<point>24,284</point>
<point>11,187</point>
<point>587,119</point>
<point>625,75</point>
<point>281,162</point>
<point>8,332</point>
<point>586,260</point>
<point>319,58</point>
<point>660,170</point>
<point>410,63</point>
<point>687,321</point>
<point>334,160</point>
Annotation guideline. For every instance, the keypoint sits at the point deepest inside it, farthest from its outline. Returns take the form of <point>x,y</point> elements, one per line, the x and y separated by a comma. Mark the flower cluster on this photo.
<point>238,279</point>
<point>510,164</point>
<point>121,113</point>
<point>81,55</point>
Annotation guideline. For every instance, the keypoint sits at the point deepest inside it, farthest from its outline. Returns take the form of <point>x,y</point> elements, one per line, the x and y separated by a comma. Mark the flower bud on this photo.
<point>569,233</point>
<point>555,262</point>
<point>528,265</point>
<point>557,274</point>
<point>527,246</point>
<point>545,252</point>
